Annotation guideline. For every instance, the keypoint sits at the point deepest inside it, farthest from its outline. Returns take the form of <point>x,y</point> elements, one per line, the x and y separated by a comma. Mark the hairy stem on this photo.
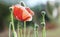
<point>24,28</point>
<point>44,30</point>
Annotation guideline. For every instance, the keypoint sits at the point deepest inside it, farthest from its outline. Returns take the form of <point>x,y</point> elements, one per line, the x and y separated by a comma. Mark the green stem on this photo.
<point>44,30</point>
<point>21,32</point>
<point>28,33</point>
<point>36,30</point>
<point>37,33</point>
<point>18,30</point>
<point>12,21</point>
<point>9,28</point>
<point>24,28</point>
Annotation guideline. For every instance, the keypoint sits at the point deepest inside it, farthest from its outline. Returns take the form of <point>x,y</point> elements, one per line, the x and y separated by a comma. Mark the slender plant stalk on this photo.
<point>21,32</point>
<point>18,30</point>
<point>34,33</point>
<point>24,28</point>
<point>23,4</point>
<point>9,29</point>
<point>12,22</point>
<point>44,30</point>
<point>28,33</point>
<point>36,30</point>
<point>37,33</point>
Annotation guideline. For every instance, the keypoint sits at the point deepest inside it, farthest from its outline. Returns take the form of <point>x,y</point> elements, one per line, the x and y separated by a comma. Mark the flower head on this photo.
<point>22,13</point>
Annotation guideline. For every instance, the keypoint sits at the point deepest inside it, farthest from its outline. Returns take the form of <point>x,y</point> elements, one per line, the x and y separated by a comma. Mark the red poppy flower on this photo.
<point>22,13</point>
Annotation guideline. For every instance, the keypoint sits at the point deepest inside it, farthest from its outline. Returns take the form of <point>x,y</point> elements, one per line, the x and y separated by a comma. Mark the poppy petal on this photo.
<point>22,13</point>
<point>26,14</point>
<point>17,13</point>
<point>30,11</point>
